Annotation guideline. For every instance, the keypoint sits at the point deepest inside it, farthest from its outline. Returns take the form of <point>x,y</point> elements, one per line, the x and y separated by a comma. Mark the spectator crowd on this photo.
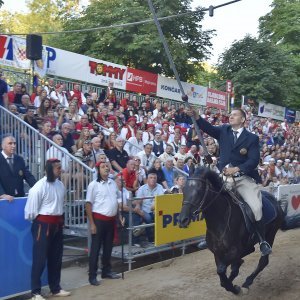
<point>150,146</point>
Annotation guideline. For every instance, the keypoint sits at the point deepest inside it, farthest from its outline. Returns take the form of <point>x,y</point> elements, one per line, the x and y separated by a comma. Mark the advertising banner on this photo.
<point>289,195</point>
<point>80,67</point>
<point>216,99</point>
<point>141,81</point>
<point>290,115</point>
<point>168,88</point>
<point>167,210</point>
<point>273,111</point>
<point>15,249</point>
<point>13,52</point>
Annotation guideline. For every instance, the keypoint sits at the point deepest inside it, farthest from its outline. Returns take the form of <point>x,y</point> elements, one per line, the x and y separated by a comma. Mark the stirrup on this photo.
<point>267,249</point>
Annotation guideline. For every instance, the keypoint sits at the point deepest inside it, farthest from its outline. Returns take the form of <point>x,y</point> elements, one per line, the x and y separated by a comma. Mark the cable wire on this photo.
<point>123,24</point>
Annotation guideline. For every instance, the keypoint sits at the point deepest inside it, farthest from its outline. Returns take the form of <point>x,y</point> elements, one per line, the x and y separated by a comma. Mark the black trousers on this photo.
<point>47,248</point>
<point>104,237</point>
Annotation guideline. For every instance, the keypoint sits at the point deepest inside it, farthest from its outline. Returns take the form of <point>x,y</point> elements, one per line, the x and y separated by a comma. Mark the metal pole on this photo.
<point>184,96</point>
<point>122,229</point>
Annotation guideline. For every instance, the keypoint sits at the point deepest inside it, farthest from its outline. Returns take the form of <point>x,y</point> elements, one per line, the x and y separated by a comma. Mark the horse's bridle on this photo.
<point>207,189</point>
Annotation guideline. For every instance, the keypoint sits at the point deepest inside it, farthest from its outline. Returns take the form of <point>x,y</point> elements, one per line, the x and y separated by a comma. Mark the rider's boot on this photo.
<point>264,246</point>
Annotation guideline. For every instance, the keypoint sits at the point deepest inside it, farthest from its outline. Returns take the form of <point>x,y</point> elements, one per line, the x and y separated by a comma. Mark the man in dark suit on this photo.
<point>13,171</point>
<point>239,157</point>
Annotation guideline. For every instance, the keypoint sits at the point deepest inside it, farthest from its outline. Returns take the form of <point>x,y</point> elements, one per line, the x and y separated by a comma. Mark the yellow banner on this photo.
<point>167,210</point>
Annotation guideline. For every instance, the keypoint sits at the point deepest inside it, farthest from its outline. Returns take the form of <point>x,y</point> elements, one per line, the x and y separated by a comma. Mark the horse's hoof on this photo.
<point>245,291</point>
<point>236,289</point>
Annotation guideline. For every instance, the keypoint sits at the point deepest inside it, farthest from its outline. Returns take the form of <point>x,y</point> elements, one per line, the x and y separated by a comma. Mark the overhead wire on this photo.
<point>120,25</point>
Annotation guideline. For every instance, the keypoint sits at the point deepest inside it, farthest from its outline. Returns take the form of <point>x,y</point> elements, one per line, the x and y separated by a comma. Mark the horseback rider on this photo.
<point>239,157</point>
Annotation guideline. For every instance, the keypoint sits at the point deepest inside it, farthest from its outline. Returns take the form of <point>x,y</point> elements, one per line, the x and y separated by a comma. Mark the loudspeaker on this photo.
<point>34,47</point>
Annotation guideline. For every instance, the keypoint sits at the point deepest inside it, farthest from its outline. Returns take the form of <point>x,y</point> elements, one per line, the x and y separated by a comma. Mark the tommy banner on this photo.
<point>167,211</point>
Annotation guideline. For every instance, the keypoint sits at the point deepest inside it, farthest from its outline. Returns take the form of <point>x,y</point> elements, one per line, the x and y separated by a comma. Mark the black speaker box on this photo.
<point>34,47</point>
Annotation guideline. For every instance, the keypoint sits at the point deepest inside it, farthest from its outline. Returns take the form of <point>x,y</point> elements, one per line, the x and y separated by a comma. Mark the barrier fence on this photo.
<point>35,149</point>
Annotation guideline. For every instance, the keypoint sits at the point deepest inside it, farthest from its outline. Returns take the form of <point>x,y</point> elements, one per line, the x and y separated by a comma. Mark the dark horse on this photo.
<point>227,235</point>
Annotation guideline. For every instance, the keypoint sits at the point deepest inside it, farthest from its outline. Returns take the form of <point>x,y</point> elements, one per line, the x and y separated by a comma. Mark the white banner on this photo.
<point>168,88</point>
<point>273,111</point>
<point>289,195</point>
<point>79,67</point>
<point>13,52</point>
<point>62,63</point>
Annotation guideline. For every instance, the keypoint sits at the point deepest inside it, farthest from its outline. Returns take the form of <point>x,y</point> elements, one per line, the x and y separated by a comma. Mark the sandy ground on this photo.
<point>193,276</point>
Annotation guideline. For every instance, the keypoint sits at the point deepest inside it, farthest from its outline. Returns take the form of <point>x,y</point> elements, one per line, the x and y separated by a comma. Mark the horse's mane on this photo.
<point>210,175</point>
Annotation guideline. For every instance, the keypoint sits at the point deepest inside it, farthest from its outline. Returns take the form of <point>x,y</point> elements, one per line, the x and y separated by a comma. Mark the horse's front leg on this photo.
<point>224,281</point>
<point>263,262</point>
<point>235,269</point>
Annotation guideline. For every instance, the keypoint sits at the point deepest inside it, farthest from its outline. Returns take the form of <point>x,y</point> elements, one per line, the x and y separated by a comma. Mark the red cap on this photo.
<point>111,118</point>
<point>150,125</point>
<point>98,164</point>
<point>165,123</point>
<point>131,119</point>
<point>177,126</point>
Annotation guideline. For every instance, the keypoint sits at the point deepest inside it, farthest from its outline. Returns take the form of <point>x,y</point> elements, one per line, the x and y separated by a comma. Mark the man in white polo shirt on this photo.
<point>102,209</point>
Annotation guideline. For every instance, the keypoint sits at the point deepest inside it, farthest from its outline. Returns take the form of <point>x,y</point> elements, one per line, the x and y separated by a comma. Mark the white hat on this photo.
<point>287,160</point>
<point>279,160</point>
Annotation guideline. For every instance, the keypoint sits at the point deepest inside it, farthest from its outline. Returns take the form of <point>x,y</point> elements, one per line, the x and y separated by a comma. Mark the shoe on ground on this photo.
<point>94,282</point>
<point>37,297</point>
<point>111,275</point>
<point>202,245</point>
<point>61,293</point>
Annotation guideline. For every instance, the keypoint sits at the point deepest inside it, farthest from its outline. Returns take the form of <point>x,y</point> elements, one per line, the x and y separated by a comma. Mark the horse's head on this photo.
<point>197,194</point>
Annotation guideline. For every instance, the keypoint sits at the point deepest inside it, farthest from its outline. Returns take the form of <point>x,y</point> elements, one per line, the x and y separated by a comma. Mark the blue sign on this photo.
<point>15,249</point>
<point>290,115</point>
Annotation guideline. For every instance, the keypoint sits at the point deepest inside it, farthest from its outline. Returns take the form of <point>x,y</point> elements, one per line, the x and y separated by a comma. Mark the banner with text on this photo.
<point>79,67</point>
<point>15,249</point>
<point>167,210</point>
<point>168,88</point>
<point>289,196</point>
<point>13,52</point>
<point>216,99</point>
<point>141,81</point>
<point>273,111</point>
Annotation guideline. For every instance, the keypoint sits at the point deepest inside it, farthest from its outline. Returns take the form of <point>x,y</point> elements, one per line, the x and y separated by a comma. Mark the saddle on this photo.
<point>269,210</point>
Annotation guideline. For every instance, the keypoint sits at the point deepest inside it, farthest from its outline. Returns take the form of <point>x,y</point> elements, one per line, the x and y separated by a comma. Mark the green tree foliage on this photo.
<point>262,71</point>
<point>138,46</point>
<point>42,16</point>
<point>281,26</point>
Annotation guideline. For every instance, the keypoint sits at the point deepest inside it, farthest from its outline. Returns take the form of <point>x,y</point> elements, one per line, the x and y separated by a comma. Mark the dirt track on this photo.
<point>194,277</point>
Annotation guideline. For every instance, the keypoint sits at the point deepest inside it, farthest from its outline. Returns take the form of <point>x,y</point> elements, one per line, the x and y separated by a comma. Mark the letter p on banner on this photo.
<point>167,224</point>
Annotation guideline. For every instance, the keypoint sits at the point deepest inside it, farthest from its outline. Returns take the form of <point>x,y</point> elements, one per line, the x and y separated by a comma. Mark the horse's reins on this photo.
<point>207,189</point>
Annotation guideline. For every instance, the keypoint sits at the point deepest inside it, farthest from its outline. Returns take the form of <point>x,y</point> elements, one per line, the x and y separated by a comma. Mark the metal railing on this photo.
<point>132,252</point>
<point>35,149</point>
<point>11,76</point>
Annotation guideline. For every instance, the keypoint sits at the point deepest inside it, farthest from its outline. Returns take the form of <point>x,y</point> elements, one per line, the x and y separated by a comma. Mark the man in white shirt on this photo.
<point>145,208</point>
<point>102,210</point>
<point>167,154</point>
<point>147,157</point>
<point>44,207</point>
<point>58,97</point>
<point>134,144</point>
